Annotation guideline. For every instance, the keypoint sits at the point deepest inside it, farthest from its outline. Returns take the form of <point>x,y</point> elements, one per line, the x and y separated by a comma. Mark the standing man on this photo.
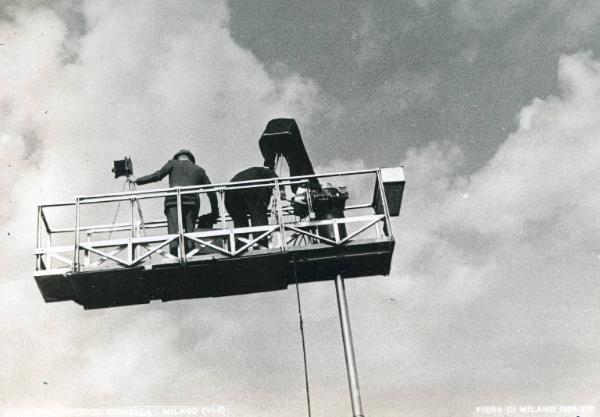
<point>182,171</point>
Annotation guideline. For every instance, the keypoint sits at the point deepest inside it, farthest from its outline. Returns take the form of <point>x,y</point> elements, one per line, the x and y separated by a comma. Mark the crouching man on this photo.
<point>250,202</point>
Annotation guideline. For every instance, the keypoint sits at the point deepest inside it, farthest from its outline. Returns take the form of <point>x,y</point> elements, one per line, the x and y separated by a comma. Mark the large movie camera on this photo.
<point>282,138</point>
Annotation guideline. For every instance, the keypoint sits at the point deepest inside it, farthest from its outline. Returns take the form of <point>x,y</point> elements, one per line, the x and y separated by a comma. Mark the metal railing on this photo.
<point>137,242</point>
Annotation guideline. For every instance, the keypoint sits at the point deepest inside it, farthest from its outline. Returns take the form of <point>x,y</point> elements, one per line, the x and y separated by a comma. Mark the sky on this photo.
<point>492,107</point>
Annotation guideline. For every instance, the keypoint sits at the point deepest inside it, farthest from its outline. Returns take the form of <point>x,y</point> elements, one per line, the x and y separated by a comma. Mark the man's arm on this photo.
<point>155,176</point>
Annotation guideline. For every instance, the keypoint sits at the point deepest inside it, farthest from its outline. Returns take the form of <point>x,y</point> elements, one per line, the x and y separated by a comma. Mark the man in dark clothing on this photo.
<point>253,202</point>
<point>183,171</point>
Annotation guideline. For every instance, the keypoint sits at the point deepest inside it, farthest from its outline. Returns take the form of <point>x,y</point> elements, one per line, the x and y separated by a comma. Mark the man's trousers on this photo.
<point>189,215</point>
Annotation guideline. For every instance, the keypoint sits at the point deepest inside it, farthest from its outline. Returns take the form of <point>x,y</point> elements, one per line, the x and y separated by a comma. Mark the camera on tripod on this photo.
<point>123,167</point>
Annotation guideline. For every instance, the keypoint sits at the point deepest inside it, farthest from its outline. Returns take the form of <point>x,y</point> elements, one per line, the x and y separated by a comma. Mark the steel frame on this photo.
<point>284,229</point>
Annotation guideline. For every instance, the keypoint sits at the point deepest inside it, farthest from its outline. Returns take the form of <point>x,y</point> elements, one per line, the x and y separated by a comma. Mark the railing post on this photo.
<point>38,240</point>
<point>232,248</point>
<point>181,252</point>
<point>222,211</point>
<point>311,213</point>
<point>388,223</point>
<point>86,253</point>
<point>76,246</point>
<point>340,290</point>
<point>132,234</point>
<point>280,215</point>
<point>130,249</point>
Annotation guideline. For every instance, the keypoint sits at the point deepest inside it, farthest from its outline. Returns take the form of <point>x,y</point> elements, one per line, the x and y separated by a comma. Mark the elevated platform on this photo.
<point>217,262</point>
<point>217,275</point>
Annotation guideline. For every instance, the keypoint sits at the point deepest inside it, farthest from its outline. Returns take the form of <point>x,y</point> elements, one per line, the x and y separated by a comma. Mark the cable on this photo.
<point>303,342</point>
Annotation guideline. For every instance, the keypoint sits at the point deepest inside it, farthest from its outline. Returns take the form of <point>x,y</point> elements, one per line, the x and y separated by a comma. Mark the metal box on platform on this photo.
<point>393,184</point>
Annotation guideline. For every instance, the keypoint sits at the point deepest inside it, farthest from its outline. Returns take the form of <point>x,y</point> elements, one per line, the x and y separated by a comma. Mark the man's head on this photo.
<point>185,154</point>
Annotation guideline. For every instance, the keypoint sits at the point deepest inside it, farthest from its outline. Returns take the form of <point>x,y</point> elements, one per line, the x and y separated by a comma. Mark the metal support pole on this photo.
<point>340,290</point>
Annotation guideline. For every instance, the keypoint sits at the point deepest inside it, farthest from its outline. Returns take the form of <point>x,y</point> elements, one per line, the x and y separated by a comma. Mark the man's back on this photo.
<point>250,201</point>
<point>181,172</point>
<point>184,172</point>
<point>254,173</point>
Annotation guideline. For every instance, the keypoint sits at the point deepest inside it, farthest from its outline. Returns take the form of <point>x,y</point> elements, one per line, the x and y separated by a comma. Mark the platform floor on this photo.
<point>218,275</point>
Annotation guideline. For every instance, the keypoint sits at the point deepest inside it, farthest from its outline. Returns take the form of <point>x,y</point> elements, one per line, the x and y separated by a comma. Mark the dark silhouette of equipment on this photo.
<point>123,167</point>
<point>282,139</point>
<point>329,203</point>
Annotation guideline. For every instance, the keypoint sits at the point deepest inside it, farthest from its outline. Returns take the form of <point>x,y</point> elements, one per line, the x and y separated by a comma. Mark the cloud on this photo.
<point>494,275</point>
<point>542,169</point>
<point>425,4</point>
<point>557,25</point>
<point>493,291</point>
<point>406,89</point>
<point>501,264</point>
<point>138,79</point>
<point>29,59</point>
<point>488,13</point>
<point>146,77</point>
<point>369,39</point>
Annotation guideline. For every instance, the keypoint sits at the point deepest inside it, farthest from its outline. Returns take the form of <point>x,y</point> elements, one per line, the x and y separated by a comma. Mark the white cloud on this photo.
<point>369,38</point>
<point>508,272</point>
<point>425,4</point>
<point>488,13</point>
<point>559,25</point>
<point>148,79</point>
<point>545,165</point>
<point>29,60</point>
<point>486,291</point>
<point>145,80</point>
<point>404,90</point>
<point>539,185</point>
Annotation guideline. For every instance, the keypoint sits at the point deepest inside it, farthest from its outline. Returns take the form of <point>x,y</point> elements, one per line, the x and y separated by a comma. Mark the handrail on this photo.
<point>280,212</point>
<point>225,185</point>
<point>216,187</point>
